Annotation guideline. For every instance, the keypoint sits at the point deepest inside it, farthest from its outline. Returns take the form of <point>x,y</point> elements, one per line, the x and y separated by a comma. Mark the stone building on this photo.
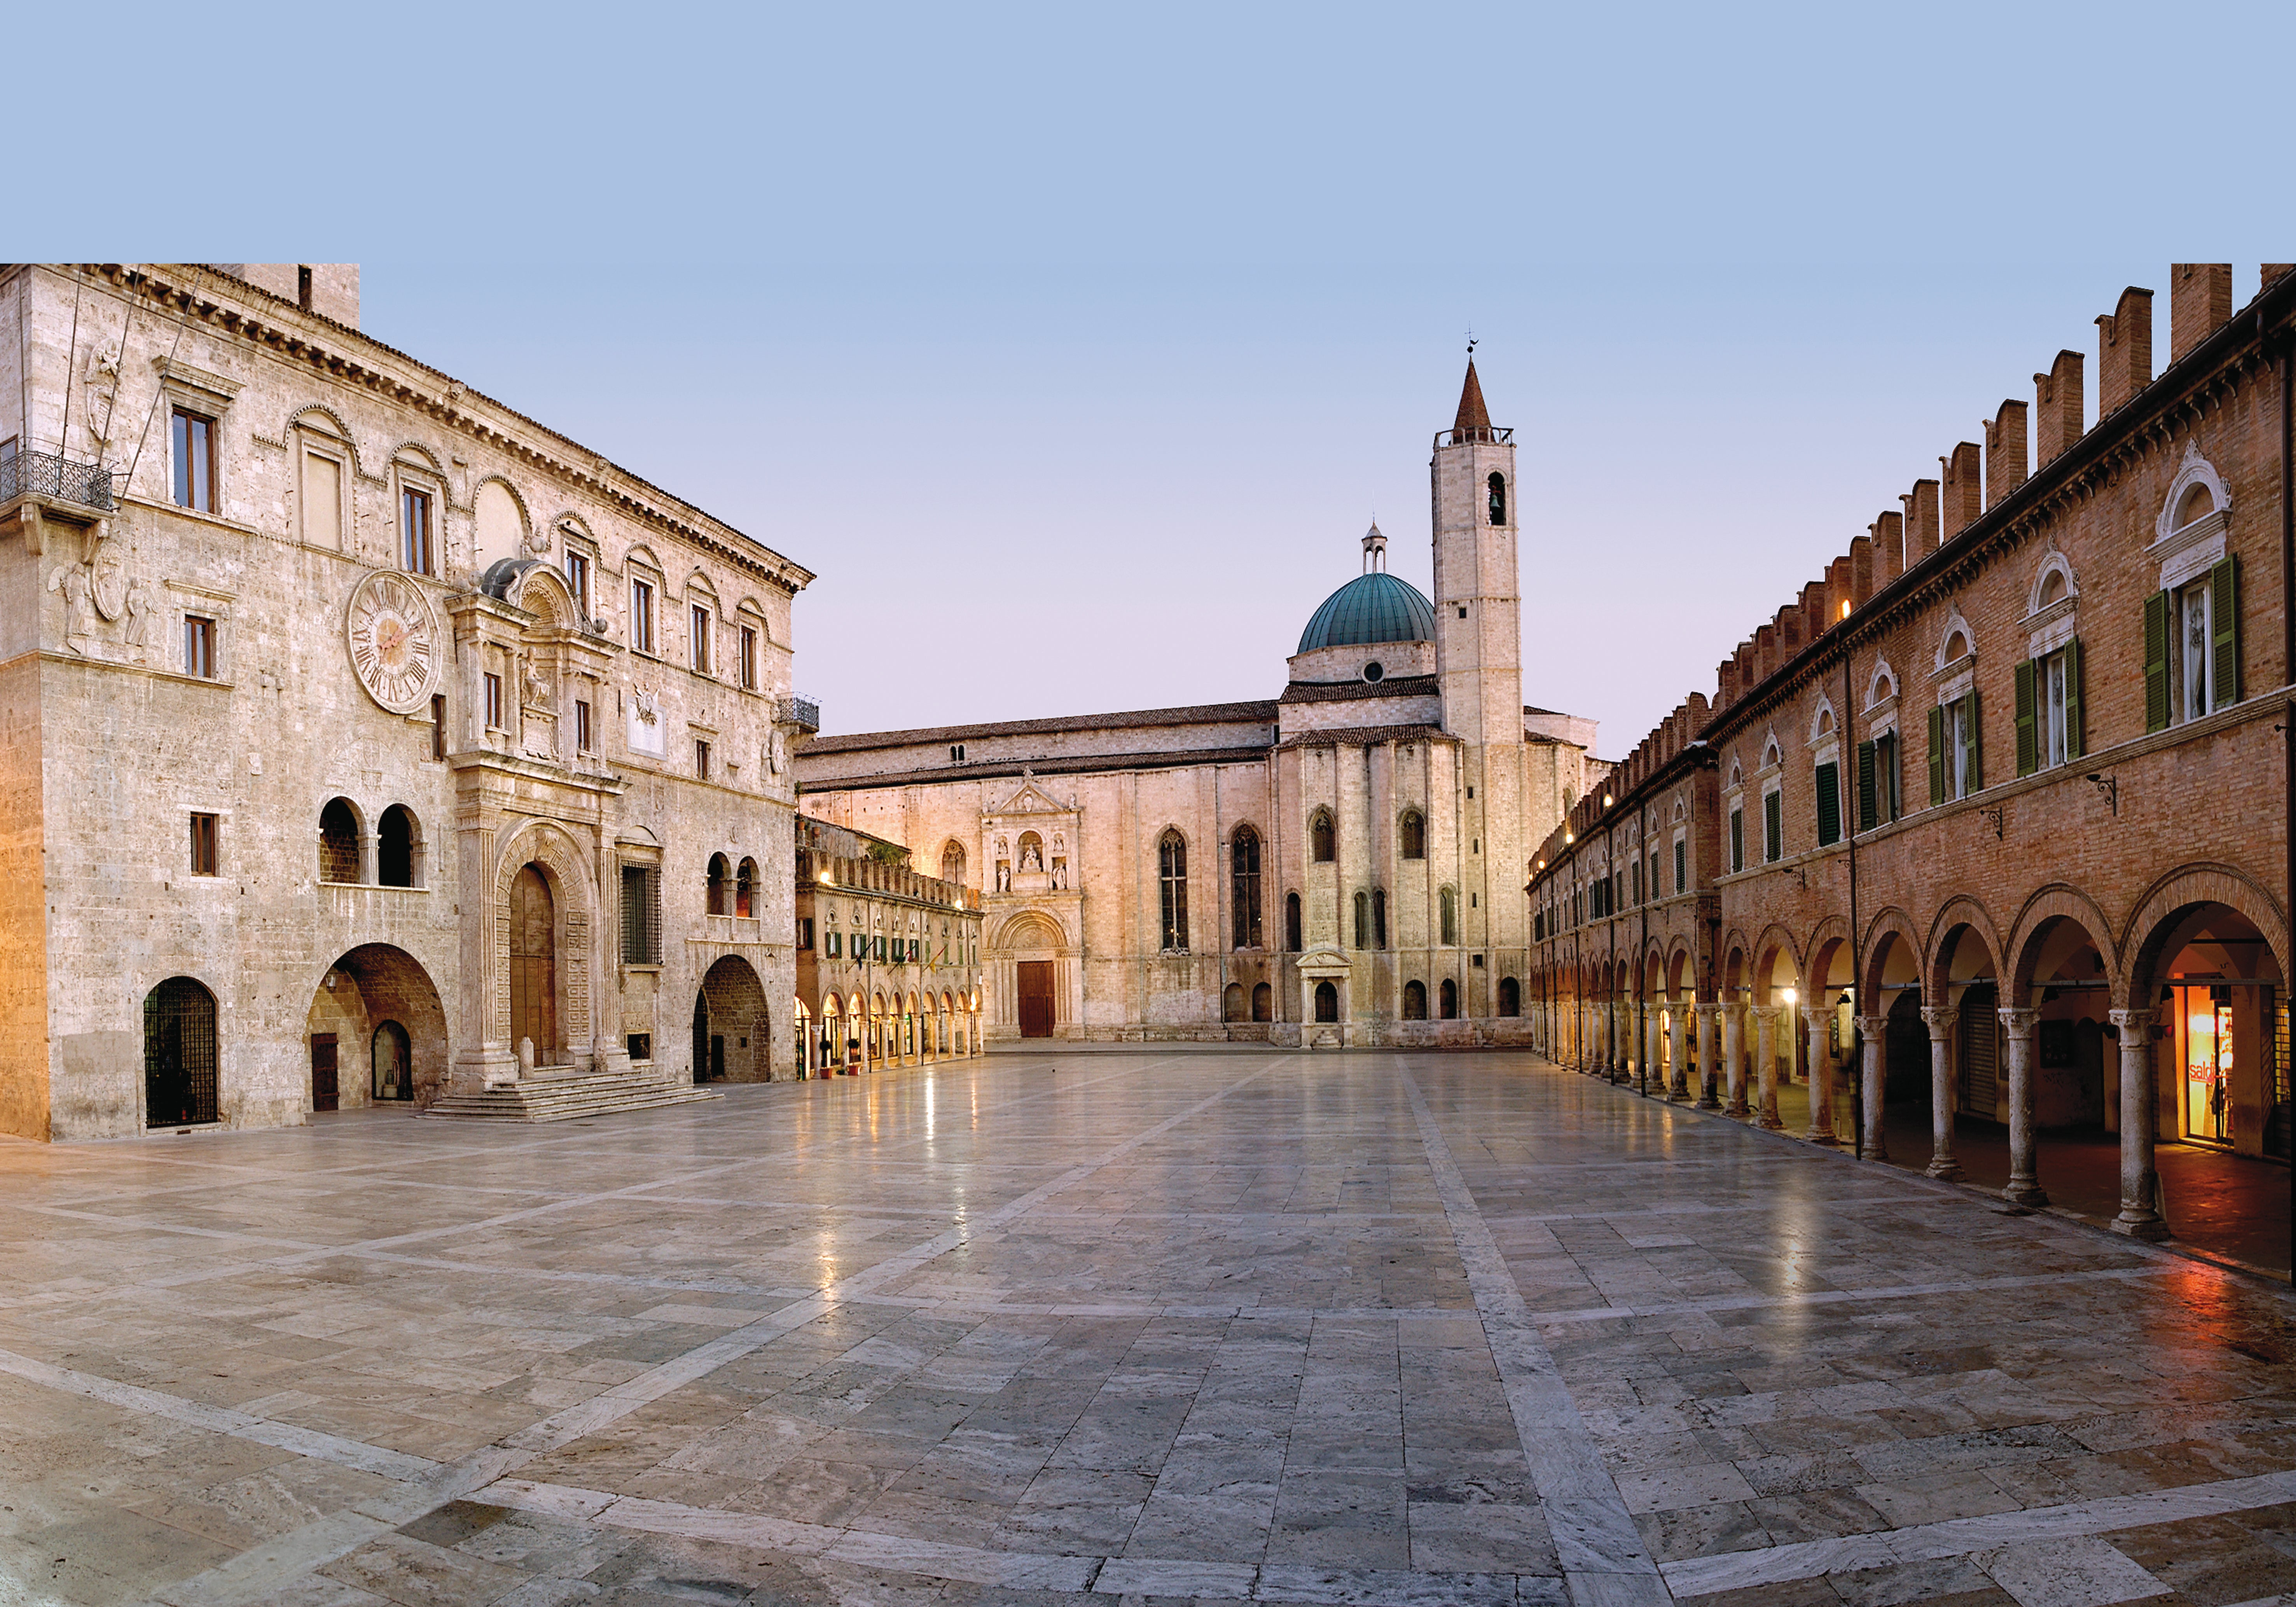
<point>887,958</point>
<point>364,739</point>
<point>1340,865</point>
<point>1995,813</point>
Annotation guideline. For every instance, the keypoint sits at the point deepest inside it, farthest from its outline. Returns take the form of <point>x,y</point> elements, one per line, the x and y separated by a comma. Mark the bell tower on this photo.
<point>1479,667</point>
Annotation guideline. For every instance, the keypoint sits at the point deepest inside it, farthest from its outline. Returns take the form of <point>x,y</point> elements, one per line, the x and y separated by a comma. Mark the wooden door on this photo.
<point>326,1095</point>
<point>533,966</point>
<point>1035,976</point>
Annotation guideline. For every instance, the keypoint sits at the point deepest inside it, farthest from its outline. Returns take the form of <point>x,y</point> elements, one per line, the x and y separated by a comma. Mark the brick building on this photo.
<point>1992,817</point>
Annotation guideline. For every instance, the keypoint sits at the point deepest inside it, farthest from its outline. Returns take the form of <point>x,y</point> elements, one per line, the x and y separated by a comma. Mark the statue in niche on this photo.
<point>1060,842</point>
<point>1060,873</point>
<point>1003,848</point>
<point>1032,855</point>
<point>99,391</point>
<point>535,683</point>
<point>78,593</point>
<point>140,610</point>
<point>1004,875</point>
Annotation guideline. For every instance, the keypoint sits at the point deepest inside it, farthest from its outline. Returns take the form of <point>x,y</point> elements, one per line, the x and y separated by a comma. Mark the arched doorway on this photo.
<point>1327,1002</point>
<point>1032,974</point>
<point>533,966</point>
<point>731,1032</point>
<point>392,1058</point>
<point>179,1055</point>
<point>377,1008</point>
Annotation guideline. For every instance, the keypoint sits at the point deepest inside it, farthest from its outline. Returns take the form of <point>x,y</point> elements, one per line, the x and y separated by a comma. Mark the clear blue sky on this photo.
<point>1074,348</point>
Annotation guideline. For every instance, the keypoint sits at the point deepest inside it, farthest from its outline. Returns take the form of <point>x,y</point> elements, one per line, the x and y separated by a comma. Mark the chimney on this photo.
<point>2124,350</point>
<point>1861,571</point>
<point>2200,303</point>
<point>1921,520</point>
<point>1960,504</point>
<point>2057,408</point>
<point>1889,537</point>
<point>2005,452</point>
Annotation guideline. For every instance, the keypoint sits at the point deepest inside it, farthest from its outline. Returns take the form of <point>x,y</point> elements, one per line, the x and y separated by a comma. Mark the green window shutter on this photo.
<point>1774,847</point>
<point>2156,661</point>
<point>1829,804</point>
<point>1937,757</point>
<point>2223,583</point>
<point>1737,840</point>
<point>1868,812</point>
<point>2029,747</point>
<point>2074,744</point>
<point>1682,867</point>
<point>1976,745</point>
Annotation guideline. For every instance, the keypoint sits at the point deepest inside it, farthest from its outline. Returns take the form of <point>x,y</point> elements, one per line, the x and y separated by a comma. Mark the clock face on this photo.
<point>393,638</point>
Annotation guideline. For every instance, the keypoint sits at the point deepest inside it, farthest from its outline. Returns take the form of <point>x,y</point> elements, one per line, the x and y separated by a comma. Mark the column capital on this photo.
<point>2140,1019</point>
<point>1941,1019</point>
<point>2019,1018</point>
<point>1872,1026</point>
<point>1812,1014</point>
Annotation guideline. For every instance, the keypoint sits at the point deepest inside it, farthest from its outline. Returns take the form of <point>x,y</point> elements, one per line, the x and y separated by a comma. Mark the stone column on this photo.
<point>2024,1185</point>
<point>1678,1047</point>
<point>1817,1021</point>
<point>2140,1183</point>
<point>1709,1080</point>
<point>370,875</point>
<point>1940,1021</point>
<point>1767,1019</point>
<point>1733,1054</point>
<point>1874,1029</point>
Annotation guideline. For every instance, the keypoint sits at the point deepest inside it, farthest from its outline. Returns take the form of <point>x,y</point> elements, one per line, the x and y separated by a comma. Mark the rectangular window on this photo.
<point>322,501</point>
<point>701,759</point>
<point>1774,831</point>
<point>581,726</point>
<point>641,1046</point>
<point>805,933</point>
<point>577,579</point>
<point>415,531</point>
<point>1639,881</point>
<point>1828,803</point>
<point>641,915</point>
<point>493,683</point>
<point>700,618</point>
<point>203,846</point>
<point>642,616</point>
<point>1681,865</point>
<point>439,725</point>
<point>836,946</point>
<point>303,286</point>
<point>749,665</point>
<point>1737,840</point>
<point>195,447</point>
<point>1877,780</point>
<point>877,947</point>
<point>1957,754</point>
<point>198,646</point>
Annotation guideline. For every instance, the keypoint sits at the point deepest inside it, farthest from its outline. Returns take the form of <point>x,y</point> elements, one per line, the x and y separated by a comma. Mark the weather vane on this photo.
<point>1471,342</point>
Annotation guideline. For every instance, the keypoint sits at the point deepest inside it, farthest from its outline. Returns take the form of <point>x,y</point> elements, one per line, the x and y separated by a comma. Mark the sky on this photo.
<point>1074,348</point>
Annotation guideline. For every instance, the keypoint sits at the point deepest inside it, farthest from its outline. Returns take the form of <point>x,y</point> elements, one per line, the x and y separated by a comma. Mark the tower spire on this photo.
<point>1474,421</point>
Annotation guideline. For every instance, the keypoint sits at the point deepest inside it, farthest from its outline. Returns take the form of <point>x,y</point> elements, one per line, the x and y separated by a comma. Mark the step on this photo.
<point>568,1095</point>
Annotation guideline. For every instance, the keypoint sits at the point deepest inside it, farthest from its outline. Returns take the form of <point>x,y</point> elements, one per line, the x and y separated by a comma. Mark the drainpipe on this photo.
<point>1852,799</point>
<point>1641,953</point>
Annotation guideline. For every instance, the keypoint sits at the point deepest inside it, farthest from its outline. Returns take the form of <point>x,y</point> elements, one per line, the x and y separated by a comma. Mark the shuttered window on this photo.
<point>1774,834</point>
<point>1681,866</point>
<point>1737,840</point>
<point>1828,803</point>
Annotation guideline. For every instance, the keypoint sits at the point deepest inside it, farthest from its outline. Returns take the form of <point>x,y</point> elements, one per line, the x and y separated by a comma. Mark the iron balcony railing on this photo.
<point>45,474</point>
<point>803,713</point>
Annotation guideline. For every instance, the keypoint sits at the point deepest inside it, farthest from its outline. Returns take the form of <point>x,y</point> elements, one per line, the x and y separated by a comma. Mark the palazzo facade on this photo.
<point>364,739</point>
<point>1341,864</point>
<point>1990,823</point>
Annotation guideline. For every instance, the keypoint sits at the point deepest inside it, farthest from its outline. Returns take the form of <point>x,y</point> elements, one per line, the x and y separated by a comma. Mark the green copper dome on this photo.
<point>1377,607</point>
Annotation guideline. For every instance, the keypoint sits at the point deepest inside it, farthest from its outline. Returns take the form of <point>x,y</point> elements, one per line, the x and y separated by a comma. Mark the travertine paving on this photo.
<point>1155,1327</point>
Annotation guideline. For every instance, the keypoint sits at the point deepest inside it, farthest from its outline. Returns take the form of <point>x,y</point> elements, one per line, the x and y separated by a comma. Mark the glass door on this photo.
<point>2205,1023</point>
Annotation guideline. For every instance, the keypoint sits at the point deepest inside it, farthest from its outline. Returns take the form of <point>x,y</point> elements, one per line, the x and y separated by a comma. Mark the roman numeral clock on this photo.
<point>393,638</point>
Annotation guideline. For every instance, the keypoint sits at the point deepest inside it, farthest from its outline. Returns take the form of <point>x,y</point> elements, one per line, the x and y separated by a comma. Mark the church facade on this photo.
<point>363,739</point>
<point>1340,866</point>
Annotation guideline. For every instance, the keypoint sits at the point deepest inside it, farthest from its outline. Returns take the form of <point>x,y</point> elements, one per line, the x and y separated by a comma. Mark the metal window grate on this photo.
<point>641,915</point>
<point>179,1054</point>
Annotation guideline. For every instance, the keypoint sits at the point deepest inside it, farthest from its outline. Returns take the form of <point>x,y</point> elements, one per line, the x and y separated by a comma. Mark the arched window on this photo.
<point>1496,485</point>
<point>179,1054</point>
<point>1449,906</point>
<point>745,889</point>
<point>718,871</point>
<point>1245,856</point>
<point>1327,1002</point>
<point>1291,924</point>
<point>1363,920</point>
<point>1379,917</point>
<point>1414,1001</point>
<point>1510,997</point>
<point>1232,1005</point>
<point>1263,1003</point>
<point>1450,997</point>
<point>1172,873</point>
<point>1414,834</point>
<point>1320,847</point>
<point>339,848</point>
<point>395,848</point>
<point>952,861</point>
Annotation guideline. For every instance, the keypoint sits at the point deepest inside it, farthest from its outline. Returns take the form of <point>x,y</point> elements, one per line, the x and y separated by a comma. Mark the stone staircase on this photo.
<point>563,1095</point>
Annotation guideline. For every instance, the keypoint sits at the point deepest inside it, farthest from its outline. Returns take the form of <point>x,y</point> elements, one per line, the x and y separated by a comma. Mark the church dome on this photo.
<point>1376,607</point>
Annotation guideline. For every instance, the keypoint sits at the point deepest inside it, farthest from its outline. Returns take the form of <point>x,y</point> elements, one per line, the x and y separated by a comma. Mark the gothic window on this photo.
<point>1172,875</point>
<point>1450,997</point>
<point>338,847</point>
<point>1363,920</point>
<point>1414,1001</point>
<point>718,872</point>
<point>1414,834</point>
<point>1244,852</point>
<point>745,889</point>
<point>1291,924</point>
<point>395,846</point>
<point>1320,847</point>
<point>952,861</point>
<point>1449,906</point>
<point>1379,917</point>
<point>1497,485</point>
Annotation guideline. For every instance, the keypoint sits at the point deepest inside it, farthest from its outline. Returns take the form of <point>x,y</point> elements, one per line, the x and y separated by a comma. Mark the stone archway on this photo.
<point>1032,976</point>
<point>377,1004</point>
<point>733,1033</point>
<point>542,854</point>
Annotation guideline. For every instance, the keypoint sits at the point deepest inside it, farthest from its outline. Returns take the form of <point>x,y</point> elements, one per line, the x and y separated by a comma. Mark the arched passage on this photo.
<point>378,1010</point>
<point>180,1078</point>
<point>733,1034</point>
